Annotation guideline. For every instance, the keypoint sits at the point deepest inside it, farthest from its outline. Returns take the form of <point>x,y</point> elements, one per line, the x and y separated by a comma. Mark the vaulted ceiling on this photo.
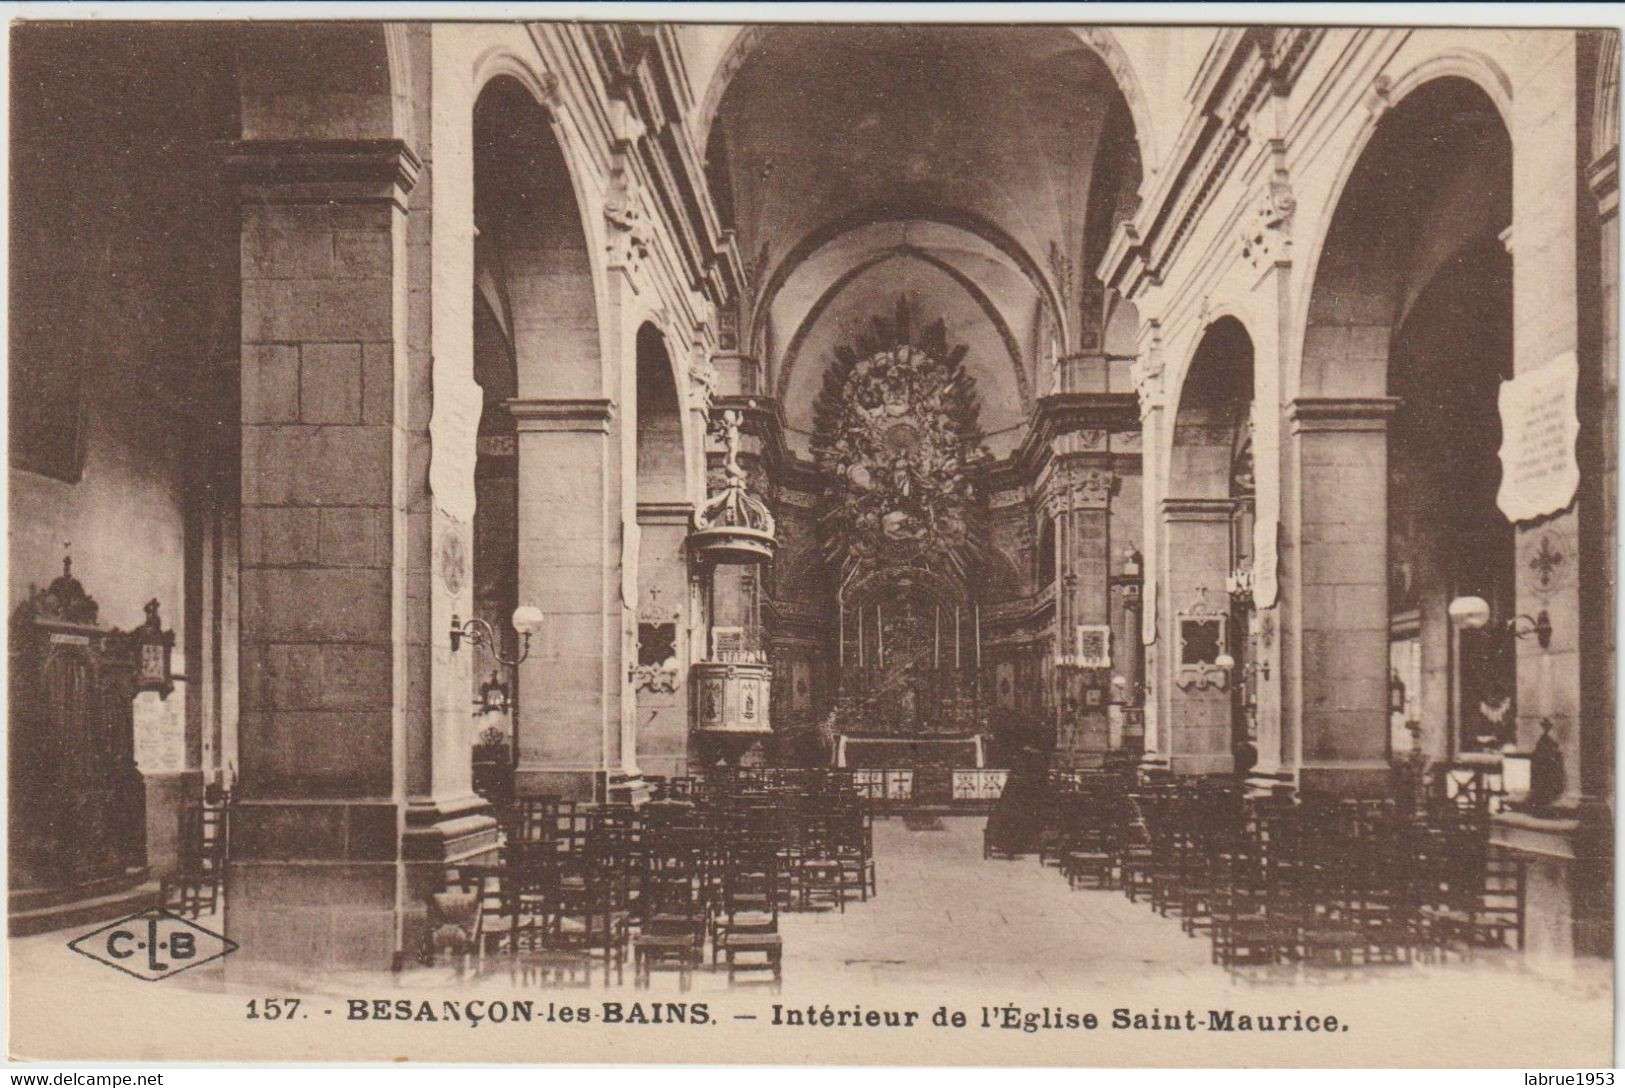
<point>977,170</point>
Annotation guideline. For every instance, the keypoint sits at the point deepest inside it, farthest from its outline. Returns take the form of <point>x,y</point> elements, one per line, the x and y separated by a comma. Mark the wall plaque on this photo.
<point>1539,424</point>
<point>1266,563</point>
<point>160,735</point>
<point>454,440</point>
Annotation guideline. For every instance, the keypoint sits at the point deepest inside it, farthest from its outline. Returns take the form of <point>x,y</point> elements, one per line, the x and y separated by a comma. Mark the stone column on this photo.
<point>1543,241</point>
<point>1146,373</point>
<point>1196,538</point>
<point>445,819</point>
<point>1336,591</point>
<point>316,870</point>
<point>1079,496</point>
<point>1599,453</point>
<point>570,715</point>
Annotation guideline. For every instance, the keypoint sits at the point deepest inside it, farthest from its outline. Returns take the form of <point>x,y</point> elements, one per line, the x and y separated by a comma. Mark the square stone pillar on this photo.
<point>316,872</point>
<point>1196,737</point>
<point>569,723</point>
<point>1335,588</point>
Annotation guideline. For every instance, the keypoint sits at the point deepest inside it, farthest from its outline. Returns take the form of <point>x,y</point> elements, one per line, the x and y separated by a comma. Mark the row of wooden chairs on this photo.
<point>705,863</point>
<point>1277,879</point>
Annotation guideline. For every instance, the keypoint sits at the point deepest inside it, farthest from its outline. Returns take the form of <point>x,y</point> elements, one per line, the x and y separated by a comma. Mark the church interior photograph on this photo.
<point>673,507</point>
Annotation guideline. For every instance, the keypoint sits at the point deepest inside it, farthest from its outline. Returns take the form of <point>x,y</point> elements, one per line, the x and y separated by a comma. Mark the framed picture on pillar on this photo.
<point>1202,639</point>
<point>1094,645</point>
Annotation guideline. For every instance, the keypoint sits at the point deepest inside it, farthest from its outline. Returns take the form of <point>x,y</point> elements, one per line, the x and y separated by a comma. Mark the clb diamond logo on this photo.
<point>152,944</point>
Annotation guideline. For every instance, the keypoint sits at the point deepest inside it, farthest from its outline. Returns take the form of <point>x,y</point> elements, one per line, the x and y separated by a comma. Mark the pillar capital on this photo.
<point>560,415</point>
<point>292,171</point>
<point>1307,414</point>
<point>665,513</point>
<point>1198,510</point>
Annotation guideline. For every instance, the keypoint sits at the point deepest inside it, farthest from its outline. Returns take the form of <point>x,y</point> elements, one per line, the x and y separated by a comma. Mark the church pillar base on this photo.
<point>560,783</point>
<point>1361,778</point>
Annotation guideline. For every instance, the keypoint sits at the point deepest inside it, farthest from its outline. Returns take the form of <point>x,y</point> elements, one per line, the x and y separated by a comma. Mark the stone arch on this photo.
<point>661,473</point>
<point>1415,240</point>
<point>1059,258</point>
<point>987,231</point>
<point>525,201</point>
<point>1389,97</point>
<point>1100,40</point>
<point>528,216</point>
<point>1397,206</point>
<point>662,512</point>
<point>1215,401</point>
<point>1206,531</point>
<point>788,357</point>
<point>500,62</point>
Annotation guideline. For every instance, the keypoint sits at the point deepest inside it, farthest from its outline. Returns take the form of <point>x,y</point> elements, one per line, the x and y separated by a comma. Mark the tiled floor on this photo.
<point>944,915</point>
<point>948,927</point>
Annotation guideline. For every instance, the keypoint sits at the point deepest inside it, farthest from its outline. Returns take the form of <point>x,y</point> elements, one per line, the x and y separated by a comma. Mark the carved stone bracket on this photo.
<point>1079,489</point>
<point>1146,373</point>
<point>653,677</point>
<point>1266,234</point>
<point>1380,97</point>
<point>628,239</point>
<point>702,382</point>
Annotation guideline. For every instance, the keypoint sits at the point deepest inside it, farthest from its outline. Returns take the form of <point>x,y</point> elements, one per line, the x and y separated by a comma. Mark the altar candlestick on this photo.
<point>860,638</point>
<point>936,637</point>
<point>841,656</point>
<point>956,636</point>
<point>880,636</point>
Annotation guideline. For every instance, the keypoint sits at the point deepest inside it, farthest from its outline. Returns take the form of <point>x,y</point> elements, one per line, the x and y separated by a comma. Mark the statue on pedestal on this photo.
<point>1547,777</point>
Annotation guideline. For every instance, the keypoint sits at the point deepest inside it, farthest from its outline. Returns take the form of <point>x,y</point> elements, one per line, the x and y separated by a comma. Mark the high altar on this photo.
<point>899,440</point>
<point>930,603</point>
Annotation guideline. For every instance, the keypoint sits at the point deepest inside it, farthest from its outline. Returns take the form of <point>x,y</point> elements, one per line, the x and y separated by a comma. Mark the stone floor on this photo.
<point>950,928</point>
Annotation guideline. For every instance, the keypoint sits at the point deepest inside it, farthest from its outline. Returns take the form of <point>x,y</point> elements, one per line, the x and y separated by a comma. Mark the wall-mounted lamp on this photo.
<point>1248,671</point>
<point>1128,694</point>
<point>493,697</point>
<point>526,620</point>
<point>1473,614</point>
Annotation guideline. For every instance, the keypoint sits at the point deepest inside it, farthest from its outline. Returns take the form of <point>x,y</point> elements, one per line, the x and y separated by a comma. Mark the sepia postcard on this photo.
<point>858,542</point>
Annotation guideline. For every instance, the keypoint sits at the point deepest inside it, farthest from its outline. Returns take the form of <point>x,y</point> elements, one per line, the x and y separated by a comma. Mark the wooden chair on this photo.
<point>746,930</point>
<point>1482,903</point>
<point>673,934</point>
<point>194,887</point>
